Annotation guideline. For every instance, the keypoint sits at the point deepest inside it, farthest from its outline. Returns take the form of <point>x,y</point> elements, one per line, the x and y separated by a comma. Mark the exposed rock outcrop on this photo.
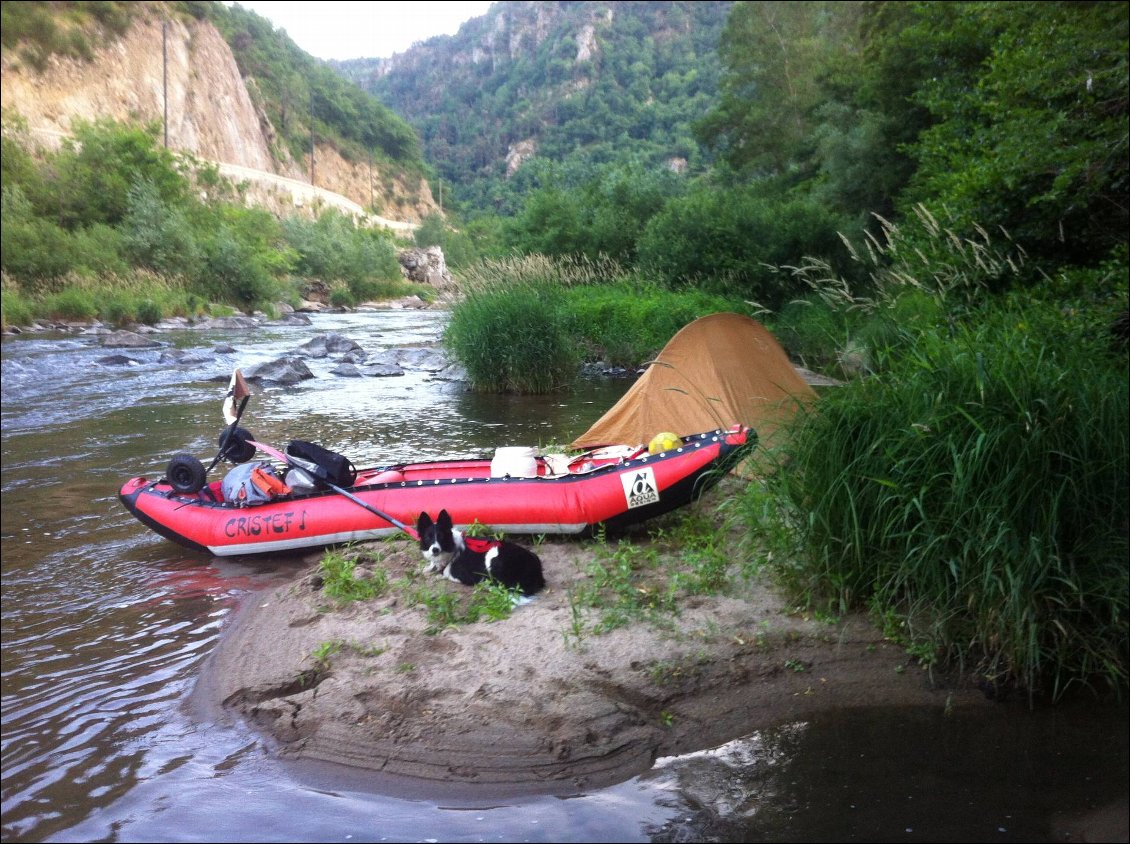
<point>176,65</point>
<point>426,266</point>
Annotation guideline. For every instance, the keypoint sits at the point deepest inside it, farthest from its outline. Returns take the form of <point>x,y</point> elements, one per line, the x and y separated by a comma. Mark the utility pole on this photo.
<point>165,75</point>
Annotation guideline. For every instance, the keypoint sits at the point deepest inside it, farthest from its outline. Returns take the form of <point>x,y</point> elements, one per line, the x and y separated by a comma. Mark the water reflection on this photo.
<point>1005,774</point>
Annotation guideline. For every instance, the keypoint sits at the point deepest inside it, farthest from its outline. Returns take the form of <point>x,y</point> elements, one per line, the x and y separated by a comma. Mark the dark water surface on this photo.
<point>106,626</point>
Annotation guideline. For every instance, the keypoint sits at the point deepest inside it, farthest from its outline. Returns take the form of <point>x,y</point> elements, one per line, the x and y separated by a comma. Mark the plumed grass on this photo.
<point>974,495</point>
<point>510,329</point>
<point>513,341</point>
<point>525,323</point>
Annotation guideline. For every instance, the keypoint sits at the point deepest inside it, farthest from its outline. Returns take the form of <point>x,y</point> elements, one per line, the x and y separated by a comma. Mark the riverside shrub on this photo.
<point>513,340</point>
<point>976,490</point>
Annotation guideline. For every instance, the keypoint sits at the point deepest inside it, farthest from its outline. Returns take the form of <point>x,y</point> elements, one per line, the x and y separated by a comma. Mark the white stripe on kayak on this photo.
<point>277,545</point>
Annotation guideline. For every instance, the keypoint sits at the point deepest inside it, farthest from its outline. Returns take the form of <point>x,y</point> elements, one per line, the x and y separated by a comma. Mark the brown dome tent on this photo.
<point>721,370</point>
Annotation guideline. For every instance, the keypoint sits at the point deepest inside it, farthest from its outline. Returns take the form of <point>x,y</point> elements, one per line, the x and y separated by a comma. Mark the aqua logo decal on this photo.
<point>640,487</point>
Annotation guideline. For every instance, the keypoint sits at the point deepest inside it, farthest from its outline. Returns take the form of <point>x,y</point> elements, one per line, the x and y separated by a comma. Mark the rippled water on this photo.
<point>106,625</point>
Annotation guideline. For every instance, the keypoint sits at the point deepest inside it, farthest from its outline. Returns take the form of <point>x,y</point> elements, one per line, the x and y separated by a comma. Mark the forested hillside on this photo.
<point>577,84</point>
<point>121,213</point>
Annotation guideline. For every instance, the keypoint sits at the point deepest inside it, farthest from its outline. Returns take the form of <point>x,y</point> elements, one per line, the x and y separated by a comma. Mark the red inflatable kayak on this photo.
<point>614,487</point>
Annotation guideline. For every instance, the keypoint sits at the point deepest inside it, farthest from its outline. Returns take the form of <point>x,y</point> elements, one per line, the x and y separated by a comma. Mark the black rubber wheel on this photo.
<point>238,449</point>
<point>185,473</point>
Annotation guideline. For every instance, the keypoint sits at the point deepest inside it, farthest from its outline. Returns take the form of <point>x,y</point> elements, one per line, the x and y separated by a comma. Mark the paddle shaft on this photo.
<point>225,437</point>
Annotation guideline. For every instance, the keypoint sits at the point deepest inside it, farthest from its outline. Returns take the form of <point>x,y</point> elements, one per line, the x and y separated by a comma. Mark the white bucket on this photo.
<point>515,461</point>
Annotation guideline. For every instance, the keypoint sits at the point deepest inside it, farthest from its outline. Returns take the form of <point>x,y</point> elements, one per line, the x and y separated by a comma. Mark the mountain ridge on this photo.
<point>574,83</point>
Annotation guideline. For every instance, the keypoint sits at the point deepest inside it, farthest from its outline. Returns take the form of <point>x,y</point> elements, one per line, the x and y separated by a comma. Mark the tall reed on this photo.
<point>510,328</point>
<point>977,490</point>
<point>910,276</point>
<point>525,323</point>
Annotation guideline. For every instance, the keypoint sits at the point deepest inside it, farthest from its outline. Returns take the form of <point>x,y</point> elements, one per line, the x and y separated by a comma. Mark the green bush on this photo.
<point>35,251</point>
<point>71,303</point>
<point>149,312</point>
<point>977,491</point>
<point>96,251</point>
<point>629,323</point>
<point>514,340</point>
<point>458,246</point>
<point>232,271</point>
<point>156,235</point>
<point>38,252</point>
<point>94,172</point>
<point>342,297</point>
<point>735,238</point>
<point>15,309</point>
<point>332,248</point>
<point>432,231</point>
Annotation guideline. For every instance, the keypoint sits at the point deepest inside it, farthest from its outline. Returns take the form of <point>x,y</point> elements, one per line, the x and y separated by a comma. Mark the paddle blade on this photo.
<point>239,386</point>
<point>237,391</point>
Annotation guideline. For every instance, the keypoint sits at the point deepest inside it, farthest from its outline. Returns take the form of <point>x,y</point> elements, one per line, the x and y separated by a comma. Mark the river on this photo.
<point>106,626</point>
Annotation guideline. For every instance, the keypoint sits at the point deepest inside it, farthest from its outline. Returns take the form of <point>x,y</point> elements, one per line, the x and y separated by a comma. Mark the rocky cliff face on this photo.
<point>183,67</point>
<point>506,33</point>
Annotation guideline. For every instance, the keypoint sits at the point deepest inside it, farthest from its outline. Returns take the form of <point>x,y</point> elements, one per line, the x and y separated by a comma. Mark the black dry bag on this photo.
<point>325,465</point>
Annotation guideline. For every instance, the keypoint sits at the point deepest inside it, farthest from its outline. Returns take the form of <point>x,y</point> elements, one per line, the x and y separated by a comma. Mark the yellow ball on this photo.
<point>664,442</point>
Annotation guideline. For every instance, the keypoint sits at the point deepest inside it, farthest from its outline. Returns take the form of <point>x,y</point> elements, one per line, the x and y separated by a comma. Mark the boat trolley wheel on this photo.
<point>185,473</point>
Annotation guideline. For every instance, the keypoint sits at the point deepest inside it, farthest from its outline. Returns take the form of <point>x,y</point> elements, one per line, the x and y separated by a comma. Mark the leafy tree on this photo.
<point>31,249</point>
<point>430,232</point>
<point>232,271</point>
<point>733,239</point>
<point>620,202</point>
<point>38,252</point>
<point>775,55</point>
<point>156,235</point>
<point>95,171</point>
<point>551,223</point>
<point>1033,137</point>
<point>332,248</point>
<point>17,167</point>
<point>604,215</point>
<point>457,245</point>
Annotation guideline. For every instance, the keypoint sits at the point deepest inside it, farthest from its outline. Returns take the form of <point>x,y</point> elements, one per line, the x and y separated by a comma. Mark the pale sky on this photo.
<point>364,29</point>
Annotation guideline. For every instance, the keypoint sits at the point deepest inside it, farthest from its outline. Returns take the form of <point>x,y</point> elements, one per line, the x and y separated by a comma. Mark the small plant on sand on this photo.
<point>491,602</point>
<point>321,654</point>
<point>341,582</point>
<point>631,580</point>
<point>446,607</point>
<point>576,629</point>
<point>441,605</point>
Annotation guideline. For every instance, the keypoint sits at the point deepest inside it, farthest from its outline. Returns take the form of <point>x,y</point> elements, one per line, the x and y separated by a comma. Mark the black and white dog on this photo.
<point>468,560</point>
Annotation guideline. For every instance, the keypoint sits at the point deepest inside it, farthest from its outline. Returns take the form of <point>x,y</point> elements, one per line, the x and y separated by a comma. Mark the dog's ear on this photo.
<point>444,519</point>
<point>423,523</point>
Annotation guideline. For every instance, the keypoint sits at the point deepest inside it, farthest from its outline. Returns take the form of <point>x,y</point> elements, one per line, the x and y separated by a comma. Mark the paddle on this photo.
<point>237,391</point>
<point>317,472</point>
